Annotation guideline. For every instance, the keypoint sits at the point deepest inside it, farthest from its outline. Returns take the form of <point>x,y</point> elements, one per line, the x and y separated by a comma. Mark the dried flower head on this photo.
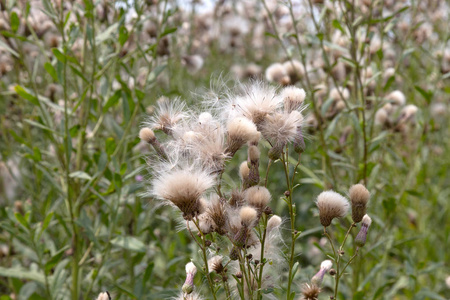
<point>244,171</point>
<point>104,296</point>
<point>183,189</point>
<point>147,135</point>
<point>294,69</point>
<point>248,216</point>
<point>293,98</point>
<point>215,264</point>
<point>277,73</point>
<point>331,205</point>
<point>310,292</point>
<point>359,197</point>
<point>168,114</point>
<point>240,131</point>
<point>257,197</point>
<point>396,98</point>
<point>273,223</point>
<point>381,117</point>
<point>360,239</point>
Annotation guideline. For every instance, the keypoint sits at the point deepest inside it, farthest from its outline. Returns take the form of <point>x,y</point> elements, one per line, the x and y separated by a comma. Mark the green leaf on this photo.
<point>123,35</point>
<point>168,31</point>
<point>27,96</point>
<point>112,100</point>
<point>425,94</point>
<point>129,243</point>
<point>47,221</point>
<point>21,273</point>
<point>21,219</point>
<point>81,175</point>
<point>59,56</point>
<point>7,48</point>
<point>15,22</point>
<point>337,25</point>
<point>51,70</point>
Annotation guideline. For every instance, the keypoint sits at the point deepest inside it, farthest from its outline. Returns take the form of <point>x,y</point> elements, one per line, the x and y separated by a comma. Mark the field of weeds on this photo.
<point>256,149</point>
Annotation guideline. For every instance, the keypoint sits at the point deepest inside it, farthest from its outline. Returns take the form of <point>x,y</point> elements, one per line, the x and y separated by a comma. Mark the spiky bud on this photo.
<point>359,197</point>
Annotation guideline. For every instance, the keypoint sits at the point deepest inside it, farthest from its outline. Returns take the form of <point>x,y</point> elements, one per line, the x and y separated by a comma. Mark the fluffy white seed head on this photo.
<point>244,171</point>
<point>331,205</point>
<point>253,153</point>
<point>191,268</point>
<point>359,197</point>
<point>397,98</point>
<point>336,93</point>
<point>438,110</point>
<point>277,73</point>
<point>183,189</point>
<point>104,296</point>
<point>193,63</point>
<point>168,114</point>
<point>240,131</point>
<point>146,135</point>
<point>215,264</point>
<point>281,129</point>
<point>294,69</point>
<point>408,111</point>
<point>293,98</point>
<point>273,223</point>
<point>257,197</point>
<point>248,216</point>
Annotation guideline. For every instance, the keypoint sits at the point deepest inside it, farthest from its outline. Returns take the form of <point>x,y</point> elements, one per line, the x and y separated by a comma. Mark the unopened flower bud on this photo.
<point>188,285</point>
<point>324,268</point>
<point>360,239</point>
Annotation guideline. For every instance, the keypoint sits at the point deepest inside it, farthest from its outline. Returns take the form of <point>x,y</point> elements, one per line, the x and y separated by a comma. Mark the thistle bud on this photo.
<point>360,239</point>
<point>324,268</point>
<point>188,285</point>
<point>359,196</point>
<point>147,135</point>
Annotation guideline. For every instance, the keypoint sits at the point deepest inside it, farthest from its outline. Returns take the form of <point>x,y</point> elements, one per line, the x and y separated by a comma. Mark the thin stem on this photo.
<point>205,258</point>
<point>261,261</point>
<point>267,172</point>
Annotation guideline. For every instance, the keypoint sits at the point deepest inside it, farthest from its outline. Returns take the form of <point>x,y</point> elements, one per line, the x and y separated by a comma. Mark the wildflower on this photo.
<point>183,188</point>
<point>360,239</point>
<point>325,266</point>
<point>293,98</point>
<point>193,63</point>
<point>258,197</point>
<point>294,69</point>
<point>331,205</point>
<point>381,117</point>
<point>277,73</point>
<point>147,135</point>
<point>188,285</point>
<point>215,264</point>
<point>168,114</point>
<point>397,98</point>
<point>274,222</point>
<point>104,296</point>
<point>310,292</point>
<point>359,196</point>
<point>240,131</point>
<point>259,101</point>
<point>253,163</point>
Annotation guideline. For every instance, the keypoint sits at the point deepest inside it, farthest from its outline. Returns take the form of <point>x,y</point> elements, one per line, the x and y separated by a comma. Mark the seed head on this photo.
<point>183,189</point>
<point>397,98</point>
<point>274,222</point>
<point>294,69</point>
<point>248,216</point>
<point>381,117</point>
<point>147,135</point>
<point>240,131</point>
<point>293,98</point>
<point>244,171</point>
<point>104,296</point>
<point>277,73</point>
<point>310,292</point>
<point>359,197</point>
<point>331,205</point>
<point>257,197</point>
<point>215,264</point>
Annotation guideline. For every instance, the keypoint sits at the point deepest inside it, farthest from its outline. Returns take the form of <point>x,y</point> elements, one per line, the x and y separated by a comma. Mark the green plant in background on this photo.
<point>78,77</point>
